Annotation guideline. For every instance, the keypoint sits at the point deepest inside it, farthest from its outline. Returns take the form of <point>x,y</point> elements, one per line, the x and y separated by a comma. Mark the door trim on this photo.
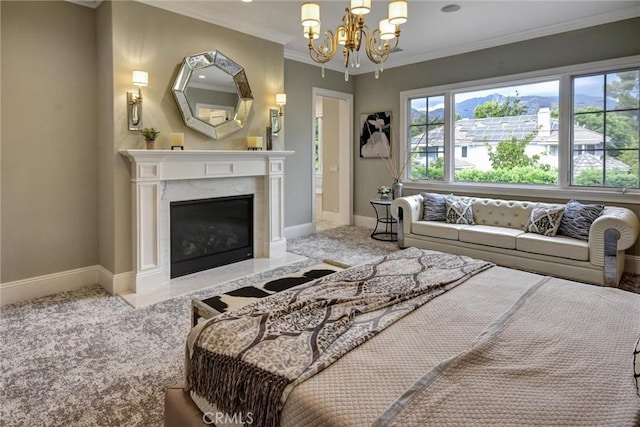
<point>346,153</point>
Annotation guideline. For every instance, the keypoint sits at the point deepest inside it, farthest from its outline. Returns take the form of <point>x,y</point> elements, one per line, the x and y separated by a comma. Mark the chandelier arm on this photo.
<point>375,52</point>
<point>330,42</point>
<point>351,34</point>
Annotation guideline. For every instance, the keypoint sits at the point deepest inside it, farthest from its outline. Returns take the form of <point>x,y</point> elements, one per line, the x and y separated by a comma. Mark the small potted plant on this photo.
<point>150,135</point>
<point>383,192</point>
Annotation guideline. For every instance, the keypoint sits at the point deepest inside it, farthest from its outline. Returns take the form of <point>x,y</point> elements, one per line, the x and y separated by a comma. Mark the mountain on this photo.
<point>465,109</point>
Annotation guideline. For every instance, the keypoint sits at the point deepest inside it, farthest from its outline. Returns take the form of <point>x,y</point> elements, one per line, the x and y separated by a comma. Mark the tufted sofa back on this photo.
<point>501,213</point>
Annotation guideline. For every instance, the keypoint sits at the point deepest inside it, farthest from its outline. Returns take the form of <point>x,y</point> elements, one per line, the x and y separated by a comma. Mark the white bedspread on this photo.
<point>562,355</point>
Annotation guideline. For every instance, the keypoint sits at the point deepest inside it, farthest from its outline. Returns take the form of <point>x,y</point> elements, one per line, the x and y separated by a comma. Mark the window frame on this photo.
<point>565,100</point>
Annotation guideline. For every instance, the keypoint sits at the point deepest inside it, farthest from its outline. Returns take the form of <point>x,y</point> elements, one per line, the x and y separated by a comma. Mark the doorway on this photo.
<point>332,159</point>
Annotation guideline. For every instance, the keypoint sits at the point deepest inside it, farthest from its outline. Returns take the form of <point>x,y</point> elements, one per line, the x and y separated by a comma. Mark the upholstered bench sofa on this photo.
<point>575,241</point>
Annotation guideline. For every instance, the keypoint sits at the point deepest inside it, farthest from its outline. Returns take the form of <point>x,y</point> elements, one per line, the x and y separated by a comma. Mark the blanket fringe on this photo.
<point>235,386</point>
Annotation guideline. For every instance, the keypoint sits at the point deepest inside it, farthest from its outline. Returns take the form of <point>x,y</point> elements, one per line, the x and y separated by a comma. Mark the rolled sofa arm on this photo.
<point>406,210</point>
<point>613,222</point>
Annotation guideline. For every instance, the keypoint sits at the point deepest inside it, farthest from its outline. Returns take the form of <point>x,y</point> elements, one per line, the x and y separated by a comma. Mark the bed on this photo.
<point>500,347</point>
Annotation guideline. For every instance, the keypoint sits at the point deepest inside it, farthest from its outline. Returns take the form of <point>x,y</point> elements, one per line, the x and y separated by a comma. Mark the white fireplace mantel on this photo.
<point>153,169</point>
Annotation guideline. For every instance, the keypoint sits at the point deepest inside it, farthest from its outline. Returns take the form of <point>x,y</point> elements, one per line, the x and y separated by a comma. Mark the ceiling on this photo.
<point>429,33</point>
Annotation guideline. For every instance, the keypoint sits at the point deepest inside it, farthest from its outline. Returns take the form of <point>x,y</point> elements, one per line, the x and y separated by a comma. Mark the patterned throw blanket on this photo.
<point>248,360</point>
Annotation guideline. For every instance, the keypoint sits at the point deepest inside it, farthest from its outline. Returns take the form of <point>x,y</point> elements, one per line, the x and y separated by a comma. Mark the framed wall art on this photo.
<point>375,135</point>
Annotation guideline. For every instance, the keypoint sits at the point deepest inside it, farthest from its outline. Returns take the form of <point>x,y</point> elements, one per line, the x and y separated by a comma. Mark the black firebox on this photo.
<point>209,233</point>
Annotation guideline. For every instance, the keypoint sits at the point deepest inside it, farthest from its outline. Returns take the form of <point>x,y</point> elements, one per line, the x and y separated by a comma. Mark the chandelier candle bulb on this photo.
<point>177,139</point>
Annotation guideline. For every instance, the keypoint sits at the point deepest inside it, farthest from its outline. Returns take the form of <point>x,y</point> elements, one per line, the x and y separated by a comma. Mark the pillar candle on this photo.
<point>177,139</point>
<point>254,142</point>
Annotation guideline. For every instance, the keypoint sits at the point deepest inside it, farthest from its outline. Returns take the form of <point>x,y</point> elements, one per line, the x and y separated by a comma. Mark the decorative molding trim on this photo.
<point>632,264</point>
<point>300,230</point>
<point>87,3</point>
<point>49,284</point>
<point>115,283</point>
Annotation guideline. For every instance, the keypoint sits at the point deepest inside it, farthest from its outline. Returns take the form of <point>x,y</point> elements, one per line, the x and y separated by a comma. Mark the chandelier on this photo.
<point>352,33</point>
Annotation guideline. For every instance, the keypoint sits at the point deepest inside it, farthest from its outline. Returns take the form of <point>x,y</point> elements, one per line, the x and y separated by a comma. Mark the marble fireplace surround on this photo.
<point>159,177</point>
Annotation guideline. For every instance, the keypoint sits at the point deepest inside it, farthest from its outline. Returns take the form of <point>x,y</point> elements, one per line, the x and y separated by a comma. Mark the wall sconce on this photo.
<point>275,114</point>
<point>134,100</point>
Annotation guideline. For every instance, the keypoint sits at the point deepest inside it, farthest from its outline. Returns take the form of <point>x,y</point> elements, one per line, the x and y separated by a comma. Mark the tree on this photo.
<point>504,109</point>
<point>621,123</point>
<point>510,153</point>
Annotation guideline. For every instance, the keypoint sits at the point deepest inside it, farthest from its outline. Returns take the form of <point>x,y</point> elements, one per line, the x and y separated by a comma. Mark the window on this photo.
<point>575,127</point>
<point>426,132</point>
<point>605,131</point>
<point>508,130</point>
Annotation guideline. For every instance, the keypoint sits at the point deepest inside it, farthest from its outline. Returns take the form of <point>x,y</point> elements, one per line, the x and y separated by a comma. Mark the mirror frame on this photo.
<point>213,58</point>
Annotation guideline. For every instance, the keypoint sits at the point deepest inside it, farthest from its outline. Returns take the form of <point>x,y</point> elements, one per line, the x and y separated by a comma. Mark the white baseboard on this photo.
<point>364,221</point>
<point>632,264</point>
<point>299,230</point>
<point>115,283</point>
<point>49,284</point>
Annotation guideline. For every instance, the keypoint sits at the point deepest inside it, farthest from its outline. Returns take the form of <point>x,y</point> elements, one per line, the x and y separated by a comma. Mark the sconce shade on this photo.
<point>398,12</point>
<point>140,78</point>
<point>360,7</point>
<point>281,98</point>
<point>310,14</point>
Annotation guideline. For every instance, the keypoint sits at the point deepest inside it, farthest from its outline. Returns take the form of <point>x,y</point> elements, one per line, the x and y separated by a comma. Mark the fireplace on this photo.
<point>209,233</point>
<point>162,177</point>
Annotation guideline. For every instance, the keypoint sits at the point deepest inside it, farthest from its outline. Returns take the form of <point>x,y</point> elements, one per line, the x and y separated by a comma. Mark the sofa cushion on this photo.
<point>500,237</point>
<point>577,219</point>
<point>544,220</point>
<point>502,213</point>
<point>441,230</point>
<point>459,211</point>
<point>433,207</point>
<point>557,246</point>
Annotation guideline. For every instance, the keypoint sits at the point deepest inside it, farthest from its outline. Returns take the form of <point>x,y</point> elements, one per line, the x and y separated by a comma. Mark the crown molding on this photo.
<point>87,3</point>
<point>222,21</point>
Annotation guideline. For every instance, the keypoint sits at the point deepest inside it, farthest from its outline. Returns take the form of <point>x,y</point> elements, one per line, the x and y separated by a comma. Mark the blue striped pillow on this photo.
<point>577,219</point>
<point>433,207</point>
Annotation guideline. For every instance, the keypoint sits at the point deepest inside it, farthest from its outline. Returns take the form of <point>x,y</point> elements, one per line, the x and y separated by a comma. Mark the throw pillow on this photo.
<point>577,219</point>
<point>636,365</point>
<point>544,220</point>
<point>434,208</point>
<point>459,211</point>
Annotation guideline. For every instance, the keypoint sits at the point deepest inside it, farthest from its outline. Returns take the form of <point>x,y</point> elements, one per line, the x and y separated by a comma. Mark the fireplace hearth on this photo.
<point>209,233</point>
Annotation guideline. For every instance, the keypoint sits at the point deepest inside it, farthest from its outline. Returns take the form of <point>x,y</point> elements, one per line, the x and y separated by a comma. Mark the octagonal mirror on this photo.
<point>213,94</point>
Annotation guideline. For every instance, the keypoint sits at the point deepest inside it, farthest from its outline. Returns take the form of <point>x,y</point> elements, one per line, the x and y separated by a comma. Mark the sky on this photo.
<point>591,85</point>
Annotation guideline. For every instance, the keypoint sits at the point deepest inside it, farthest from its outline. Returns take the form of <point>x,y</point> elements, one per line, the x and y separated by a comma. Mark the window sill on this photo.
<point>529,192</point>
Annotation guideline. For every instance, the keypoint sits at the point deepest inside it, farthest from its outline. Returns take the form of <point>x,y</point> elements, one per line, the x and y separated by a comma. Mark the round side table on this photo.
<point>382,208</point>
